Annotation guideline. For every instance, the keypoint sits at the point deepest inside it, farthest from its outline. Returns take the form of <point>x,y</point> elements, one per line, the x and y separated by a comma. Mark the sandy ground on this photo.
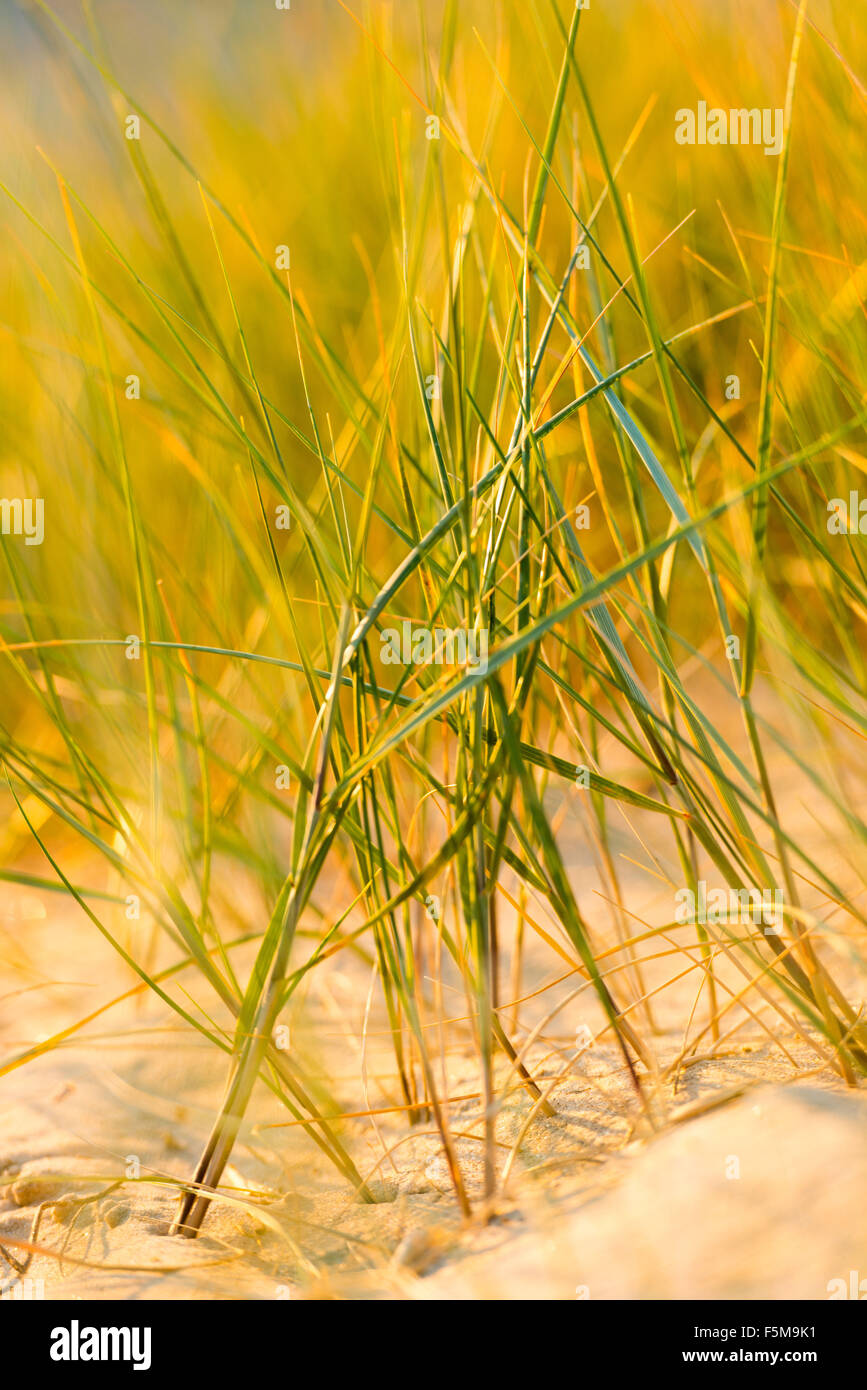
<point>748,1180</point>
<point>743,1176</point>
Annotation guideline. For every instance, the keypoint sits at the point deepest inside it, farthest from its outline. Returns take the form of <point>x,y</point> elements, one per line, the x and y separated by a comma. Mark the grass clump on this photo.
<point>460,370</point>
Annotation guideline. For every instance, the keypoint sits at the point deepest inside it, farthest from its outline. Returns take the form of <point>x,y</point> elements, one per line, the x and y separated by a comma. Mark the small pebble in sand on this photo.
<point>33,1188</point>
<point>64,1208</point>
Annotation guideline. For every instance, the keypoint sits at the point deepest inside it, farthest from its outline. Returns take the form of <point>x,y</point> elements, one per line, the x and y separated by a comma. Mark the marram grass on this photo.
<point>440,462</point>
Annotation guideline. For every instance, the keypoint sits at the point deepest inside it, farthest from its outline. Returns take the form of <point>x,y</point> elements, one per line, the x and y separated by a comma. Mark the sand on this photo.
<point>743,1175</point>
<point>761,1194</point>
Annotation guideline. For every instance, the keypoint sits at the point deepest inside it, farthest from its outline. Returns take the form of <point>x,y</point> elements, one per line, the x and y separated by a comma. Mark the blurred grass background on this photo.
<point>291,118</point>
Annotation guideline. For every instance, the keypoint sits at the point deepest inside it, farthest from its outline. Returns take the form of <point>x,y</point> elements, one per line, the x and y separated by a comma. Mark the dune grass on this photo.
<point>483,393</point>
